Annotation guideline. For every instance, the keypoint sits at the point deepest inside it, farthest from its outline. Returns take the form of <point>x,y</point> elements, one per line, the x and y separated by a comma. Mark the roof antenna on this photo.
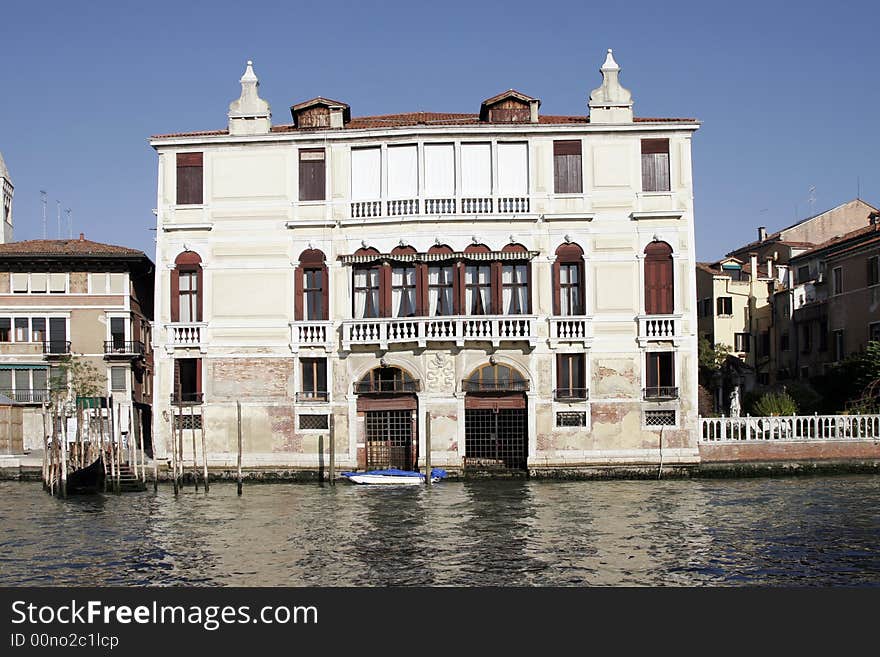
<point>858,188</point>
<point>69,225</point>
<point>812,200</point>
<point>44,200</point>
<point>59,219</point>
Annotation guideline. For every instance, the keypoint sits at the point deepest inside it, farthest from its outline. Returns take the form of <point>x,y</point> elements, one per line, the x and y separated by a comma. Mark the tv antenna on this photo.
<point>59,218</point>
<point>43,201</point>
<point>811,199</point>
<point>69,224</point>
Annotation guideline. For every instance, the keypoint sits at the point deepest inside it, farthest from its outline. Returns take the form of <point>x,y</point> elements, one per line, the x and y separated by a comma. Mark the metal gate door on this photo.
<point>389,439</point>
<point>495,437</point>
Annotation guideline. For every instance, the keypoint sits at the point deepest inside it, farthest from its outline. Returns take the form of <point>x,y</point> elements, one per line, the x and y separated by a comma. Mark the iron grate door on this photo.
<point>496,437</point>
<point>389,439</point>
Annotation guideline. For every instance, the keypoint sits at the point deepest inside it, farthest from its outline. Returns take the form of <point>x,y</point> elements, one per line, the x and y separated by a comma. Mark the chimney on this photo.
<point>610,103</point>
<point>762,233</point>
<point>753,266</point>
<point>769,267</point>
<point>82,237</point>
<point>249,114</point>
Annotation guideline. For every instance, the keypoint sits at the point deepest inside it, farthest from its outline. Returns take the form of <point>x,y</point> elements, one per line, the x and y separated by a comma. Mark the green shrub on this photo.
<point>775,403</point>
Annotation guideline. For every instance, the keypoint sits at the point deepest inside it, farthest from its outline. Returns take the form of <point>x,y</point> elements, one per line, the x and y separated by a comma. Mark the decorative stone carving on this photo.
<point>440,375</point>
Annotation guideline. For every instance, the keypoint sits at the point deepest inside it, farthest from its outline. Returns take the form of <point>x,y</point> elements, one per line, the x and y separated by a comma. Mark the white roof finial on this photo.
<point>249,114</point>
<point>610,103</point>
<point>609,62</point>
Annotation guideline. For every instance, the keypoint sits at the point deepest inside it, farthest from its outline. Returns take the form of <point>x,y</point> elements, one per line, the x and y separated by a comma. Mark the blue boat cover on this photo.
<point>435,472</point>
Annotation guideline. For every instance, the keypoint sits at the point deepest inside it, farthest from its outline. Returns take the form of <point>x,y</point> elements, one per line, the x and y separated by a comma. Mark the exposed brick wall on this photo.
<point>251,379</point>
<point>788,451</point>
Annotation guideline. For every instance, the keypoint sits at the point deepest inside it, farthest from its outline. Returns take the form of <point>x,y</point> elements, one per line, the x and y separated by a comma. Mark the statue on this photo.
<point>734,402</point>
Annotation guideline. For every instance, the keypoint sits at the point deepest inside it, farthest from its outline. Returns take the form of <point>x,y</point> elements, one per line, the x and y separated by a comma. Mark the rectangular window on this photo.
<point>784,343</point>
<point>439,170</point>
<point>660,375</point>
<point>187,380</point>
<point>19,283</point>
<point>188,282</point>
<point>117,332</point>
<point>189,179</point>
<point>314,379</point>
<point>313,290</point>
<point>58,283</point>
<point>440,290</point>
<point>874,332</point>
<point>567,167</point>
<point>21,329</point>
<point>513,169</point>
<point>312,174</point>
<point>803,274</point>
<point>655,165</point>
<point>515,289</point>
<point>5,329</point>
<point>806,339</point>
<point>570,290</point>
<point>873,270</point>
<point>38,329</point>
<point>741,342</point>
<point>40,384</point>
<point>366,292</point>
<point>403,172</point>
<point>403,291</point>
<point>837,280</point>
<point>571,377</point>
<point>571,419</point>
<point>117,379</point>
<point>313,422</point>
<point>366,174</point>
<point>823,335</point>
<point>39,283</point>
<point>724,306</point>
<point>478,290</point>
<point>117,283</point>
<point>98,283</point>
<point>476,169</point>
<point>839,353</point>
<point>659,418</point>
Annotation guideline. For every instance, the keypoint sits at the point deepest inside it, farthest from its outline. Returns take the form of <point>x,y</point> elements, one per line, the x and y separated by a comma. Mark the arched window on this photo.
<point>367,287</point>
<point>404,302</point>
<point>311,286</point>
<point>478,284</point>
<point>659,283</point>
<point>516,281</point>
<point>386,380</point>
<point>495,378</point>
<point>569,290</point>
<point>187,288</point>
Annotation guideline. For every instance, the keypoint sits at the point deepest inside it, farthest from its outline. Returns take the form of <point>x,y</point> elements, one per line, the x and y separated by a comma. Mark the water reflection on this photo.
<point>790,531</point>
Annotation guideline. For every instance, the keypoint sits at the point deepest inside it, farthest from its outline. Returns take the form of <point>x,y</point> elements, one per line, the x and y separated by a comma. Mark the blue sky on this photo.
<point>787,92</point>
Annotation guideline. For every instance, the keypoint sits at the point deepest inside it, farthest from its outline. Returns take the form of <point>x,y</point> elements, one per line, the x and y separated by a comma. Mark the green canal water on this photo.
<point>787,531</point>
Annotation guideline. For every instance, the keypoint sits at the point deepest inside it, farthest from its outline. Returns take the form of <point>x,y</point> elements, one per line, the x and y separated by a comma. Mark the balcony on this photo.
<point>500,385</point>
<point>313,397</point>
<point>386,386</point>
<point>26,396</point>
<point>311,333</point>
<point>123,349</point>
<point>450,205</point>
<point>659,327</point>
<point>453,328</point>
<point>56,348</point>
<point>189,334</point>
<point>571,394</point>
<point>187,398</point>
<point>573,329</point>
<point>660,393</point>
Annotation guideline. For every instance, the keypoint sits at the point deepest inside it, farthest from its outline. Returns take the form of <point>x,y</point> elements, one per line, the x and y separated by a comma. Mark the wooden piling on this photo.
<point>238,405</point>
<point>63,453</point>
<point>117,447</point>
<point>331,471</point>
<point>174,442</point>
<point>427,448</point>
<point>204,451</point>
<point>192,428</point>
<point>45,451</point>
<point>102,402</point>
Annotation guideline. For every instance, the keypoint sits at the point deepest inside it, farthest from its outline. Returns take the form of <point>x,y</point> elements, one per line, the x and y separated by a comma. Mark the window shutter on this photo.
<point>312,174</point>
<point>175,295</point>
<point>325,292</point>
<point>567,167</point>
<point>19,282</point>
<point>439,170</point>
<point>403,172</point>
<point>200,293</point>
<point>198,362</point>
<point>298,292</point>
<point>57,282</point>
<point>513,169</point>
<point>557,300</point>
<point>189,178</point>
<point>655,165</point>
<point>366,174</point>
<point>38,282</point>
<point>385,290</point>
<point>422,289</point>
<point>658,279</point>
<point>476,169</point>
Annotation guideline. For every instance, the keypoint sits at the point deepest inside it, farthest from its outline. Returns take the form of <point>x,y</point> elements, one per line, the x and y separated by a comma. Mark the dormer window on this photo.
<point>510,107</point>
<point>320,113</point>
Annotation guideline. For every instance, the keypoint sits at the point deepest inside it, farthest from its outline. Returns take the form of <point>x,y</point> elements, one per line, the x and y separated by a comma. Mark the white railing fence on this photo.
<point>185,335</point>
<point>492,328</point>
<point>793,427</point>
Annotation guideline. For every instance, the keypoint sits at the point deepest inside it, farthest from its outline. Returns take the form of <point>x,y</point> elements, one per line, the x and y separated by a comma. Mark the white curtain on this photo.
<point>440,290</point>
<point>439,170</point>
<point>403,172</point>
<point>403,291</point>
<point>568,278</point>
<point>366,174</point>
<point>38,282</point>
<point>477,290</point>
<point>57,282</point>
<point>476,169</point>
<point>514,297</point>
<point>19,282</point>
<point>366,294</point>
<point>513,169</point>
<point>185,303</point>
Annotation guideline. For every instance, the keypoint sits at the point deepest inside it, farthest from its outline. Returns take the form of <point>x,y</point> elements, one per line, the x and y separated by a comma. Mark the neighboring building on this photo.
<point>6,191</point>
<point>62,298</point>
<point>521,285</point>
<point>836,299</point>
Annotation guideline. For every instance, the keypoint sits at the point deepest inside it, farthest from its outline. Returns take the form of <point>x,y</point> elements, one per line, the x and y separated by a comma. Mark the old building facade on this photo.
<point>76,299</point>
<point>519,286</point>
<point>6,192</point>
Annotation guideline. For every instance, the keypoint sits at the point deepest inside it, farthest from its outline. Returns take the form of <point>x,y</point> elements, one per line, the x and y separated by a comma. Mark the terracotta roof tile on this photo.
<point>71,247</point>
<point>853,235</point>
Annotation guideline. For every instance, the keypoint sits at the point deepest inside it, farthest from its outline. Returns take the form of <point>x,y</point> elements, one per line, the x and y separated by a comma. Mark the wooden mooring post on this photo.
<point>238,406</point>
<point>45,451</point>
<point>427,448</point>
<point>63,415</point>
<point>192,429</point>
<point>174,416</point>
<point>331,470</point>
<point>204,451</point>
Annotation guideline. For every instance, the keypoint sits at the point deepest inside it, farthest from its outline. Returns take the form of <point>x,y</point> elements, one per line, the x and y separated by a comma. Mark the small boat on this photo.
<point>89,479</point>
<point>393,476</point>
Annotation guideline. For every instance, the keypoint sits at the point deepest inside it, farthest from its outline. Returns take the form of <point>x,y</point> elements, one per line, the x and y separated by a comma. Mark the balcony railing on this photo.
<point>403,207</point>
<point>387,386</point>
<point>56,347</point>
<point>26,396</point>
<point>660,393</point>
<point>124,348</point>
<point>311,333</point>
<point>571,329</point>
<point>187,398</point>
<point>571,394</point>
<point>362,209</point>
<point>188,334</point>
<point>454,328</point>
<point>500,385</point>
<point>312,396</point>
<point>659,327</point>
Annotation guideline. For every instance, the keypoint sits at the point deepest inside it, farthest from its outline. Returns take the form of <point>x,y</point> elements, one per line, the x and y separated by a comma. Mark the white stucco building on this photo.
<point>6,192</point>
<point>518,284</point>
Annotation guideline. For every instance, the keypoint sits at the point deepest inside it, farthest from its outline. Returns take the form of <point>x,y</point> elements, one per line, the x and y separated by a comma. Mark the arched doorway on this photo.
<point>496,428</point>
<point>387,400</point>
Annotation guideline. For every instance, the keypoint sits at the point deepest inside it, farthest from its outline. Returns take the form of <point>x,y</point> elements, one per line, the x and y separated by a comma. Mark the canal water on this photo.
<point>788,531</point>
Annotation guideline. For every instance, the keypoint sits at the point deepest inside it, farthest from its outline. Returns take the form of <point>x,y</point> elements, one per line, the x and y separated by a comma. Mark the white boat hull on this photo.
<point>389,480</point>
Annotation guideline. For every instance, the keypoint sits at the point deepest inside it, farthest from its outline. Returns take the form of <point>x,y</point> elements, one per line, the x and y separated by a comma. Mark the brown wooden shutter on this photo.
<point>582,286</point>
<point>189,178</point>
<point>312,174</point>
<point>459,289</point>
<point>422,289</point>
<point>325,292</point>
<point>528,309</point>
<point>176,378</point>
<point>198,375</point>
<point>175,295</point>
<point>385,290</point>
<point>557,287</point>
<point>567,167</point>
<point>200,293</point>
<point>298,312</point>
<point>497,282</point>
<point>659,286</point>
